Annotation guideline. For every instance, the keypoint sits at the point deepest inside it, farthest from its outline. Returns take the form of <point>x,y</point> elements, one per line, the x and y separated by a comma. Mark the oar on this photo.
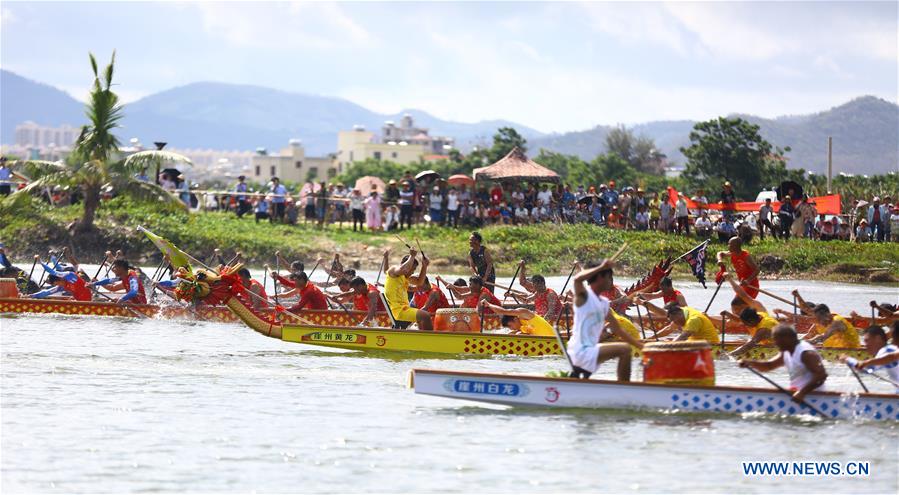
<point>709,305</point>
<point>452,299</point>
<point>723,330</point>
<point>879,377</point>
<point>380,269</point>
<point>275,279</point>
<point>655,332</point>
<point>562,294</point>
<point>778,387</point>
<point>509,289</point>
<point>776,297</point>
<point>100,268</point>
<point>859,378</point>
<point>44,273</point>
<point>314,268</point>
<point>265,277</point>
<point>640,319</point>
<point>873,317</point>
<point>33,264</point>
<point>235,258</point>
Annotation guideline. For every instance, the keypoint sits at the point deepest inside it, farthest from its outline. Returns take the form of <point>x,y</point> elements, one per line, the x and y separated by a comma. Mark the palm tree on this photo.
<point>95,161</point>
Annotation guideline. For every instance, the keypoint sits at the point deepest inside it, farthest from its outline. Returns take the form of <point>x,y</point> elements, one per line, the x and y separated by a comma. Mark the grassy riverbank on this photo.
<point>548,248</point>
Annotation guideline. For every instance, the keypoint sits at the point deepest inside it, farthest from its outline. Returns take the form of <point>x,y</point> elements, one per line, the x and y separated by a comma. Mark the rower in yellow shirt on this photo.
<point>626,324</point>
<point>693,324</point>
<point>833,330</point>
<point>760,326</point>
<point>521,320</point>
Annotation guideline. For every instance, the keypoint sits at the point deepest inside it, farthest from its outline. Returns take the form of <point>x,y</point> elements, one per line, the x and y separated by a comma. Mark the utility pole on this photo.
<point>829,161</point>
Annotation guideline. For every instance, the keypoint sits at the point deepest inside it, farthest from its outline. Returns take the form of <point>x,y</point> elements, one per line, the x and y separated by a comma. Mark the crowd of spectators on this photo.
<point>407,202</point>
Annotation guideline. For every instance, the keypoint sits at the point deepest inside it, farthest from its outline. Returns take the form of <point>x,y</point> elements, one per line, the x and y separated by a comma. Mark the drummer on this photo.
<point>521,320</point>
<point>429,298</point>
<point>546,301</point>
<point>591,310</point>
<point>693,324</point>
<point>802,361</point>
<point>396,289</point>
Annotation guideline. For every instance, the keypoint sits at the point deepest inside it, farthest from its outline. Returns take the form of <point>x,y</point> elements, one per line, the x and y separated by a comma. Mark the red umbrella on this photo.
<point>460,179</point>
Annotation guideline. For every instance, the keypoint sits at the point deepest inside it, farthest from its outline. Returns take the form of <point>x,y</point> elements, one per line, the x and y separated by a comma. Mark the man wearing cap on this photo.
<point>728,199</point>
<point>279,193</point>
<point>243,206</point>
<point>878,214</point>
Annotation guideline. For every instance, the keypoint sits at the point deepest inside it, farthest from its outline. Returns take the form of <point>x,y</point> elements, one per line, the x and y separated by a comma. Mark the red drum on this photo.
<point>8,288</point>
<point>681,363</point>
<point>457,320</point>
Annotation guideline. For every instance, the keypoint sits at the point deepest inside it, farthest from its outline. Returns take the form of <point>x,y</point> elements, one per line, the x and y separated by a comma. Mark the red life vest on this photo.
<point>420,298</point>
<point>541,303</point>
<point>360,301</point>
<point>78,289</point>
<point>311,297</point>
<point>741,266</point>
<point>471,301</point>
<point>141,297</point>
<point>670,299</point>
<point>261,292</point>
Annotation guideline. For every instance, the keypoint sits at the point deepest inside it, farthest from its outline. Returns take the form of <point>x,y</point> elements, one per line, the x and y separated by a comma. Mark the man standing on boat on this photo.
<point>590,312</point>
<point>746,268</point>
<point>396,290</point>
<point>802,361</point>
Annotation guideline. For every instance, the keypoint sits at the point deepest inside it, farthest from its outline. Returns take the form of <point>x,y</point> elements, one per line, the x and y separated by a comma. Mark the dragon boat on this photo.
<point>538,391</point>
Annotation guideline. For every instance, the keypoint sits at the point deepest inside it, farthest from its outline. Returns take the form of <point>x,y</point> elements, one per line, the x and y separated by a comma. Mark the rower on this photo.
<point>546,301</point>
<point>832,329</point>
<point>260,299</point>
<point>366,297</point>
<point>64,280</point>
<point>480,261</point>
<point>626,324</point>
<point>474,293</point>
<point>693,324</point>
<point>520,320</point>
<point>886,355</point>
<point>590,312</point>
<point>760,327</point>
<point>806,308</point>
<point>745,267</point>
<point>311,297</point>
<point>125,279</point>
<point>396,290</point>
<point>667,292</point>
<point>295,268</point>
<point>429,298</point>
<point>802,361</point>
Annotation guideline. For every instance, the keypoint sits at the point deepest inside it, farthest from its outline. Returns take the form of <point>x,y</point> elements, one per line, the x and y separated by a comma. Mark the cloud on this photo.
<point>636,23</point>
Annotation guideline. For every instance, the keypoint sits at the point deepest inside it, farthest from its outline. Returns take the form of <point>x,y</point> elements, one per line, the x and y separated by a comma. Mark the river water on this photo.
<point>118,405</point>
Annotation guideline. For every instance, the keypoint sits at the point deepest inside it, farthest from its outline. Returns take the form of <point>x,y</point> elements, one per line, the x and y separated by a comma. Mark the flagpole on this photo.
<point>690,251</point>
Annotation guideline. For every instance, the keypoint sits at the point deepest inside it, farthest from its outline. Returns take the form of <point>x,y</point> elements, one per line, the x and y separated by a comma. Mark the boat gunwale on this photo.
<point>589,381</point>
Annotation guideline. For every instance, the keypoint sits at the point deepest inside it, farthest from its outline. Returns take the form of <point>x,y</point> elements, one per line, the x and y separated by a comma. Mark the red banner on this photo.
<point>825,205</point>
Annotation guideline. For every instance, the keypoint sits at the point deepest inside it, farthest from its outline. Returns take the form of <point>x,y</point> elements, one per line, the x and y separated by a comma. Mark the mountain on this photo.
<point>227,116</point>
<point>865,137</point>
<point>232,116</point>
<point>23,99</point>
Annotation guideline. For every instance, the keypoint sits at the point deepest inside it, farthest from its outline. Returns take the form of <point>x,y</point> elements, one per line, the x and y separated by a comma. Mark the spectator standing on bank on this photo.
<point>766,217</point>
<point>279,198</point>
<point>785,215</point>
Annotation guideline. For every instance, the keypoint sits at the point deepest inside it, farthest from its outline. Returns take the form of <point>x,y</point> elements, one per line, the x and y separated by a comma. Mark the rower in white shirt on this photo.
<point>590,312</point>
<point>886,355</point>
<point>801,360</point>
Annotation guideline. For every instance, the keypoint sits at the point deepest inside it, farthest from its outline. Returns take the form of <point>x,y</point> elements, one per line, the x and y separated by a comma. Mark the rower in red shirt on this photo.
<point>473,294</point>
<point>64,281</point>
<point>667,293</point>
<point>125,279</point>
<point>745,267</point>
<point>429,298</point>
<point>311,297</point>
<point>546,301</point>
<point>365,297</point>
<point>260,299</point>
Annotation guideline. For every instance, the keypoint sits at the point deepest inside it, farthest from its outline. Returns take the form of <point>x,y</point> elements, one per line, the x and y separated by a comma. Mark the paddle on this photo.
<point>317,262</point>
<point>452,299</point>
<point>265,276</point>
<point>655,332</point>
<point>275,279</point>
<point>235,258</point>
<point>509,289</point>
<point>779,388</point>
<point>778,298</point>
<point>640,319</point>
<point>709,305</point>
<point>100,268</point>
<point>562,293</point>
<point>879,377</point>
<point>723,329</point>
<point>44,273</point>
<point>380,270</point>
<point>859,378</point>
<point>33,264</point>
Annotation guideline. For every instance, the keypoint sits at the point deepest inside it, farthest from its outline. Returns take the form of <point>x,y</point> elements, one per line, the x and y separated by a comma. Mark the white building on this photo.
<point>291,164</point>
<point>32,135</point>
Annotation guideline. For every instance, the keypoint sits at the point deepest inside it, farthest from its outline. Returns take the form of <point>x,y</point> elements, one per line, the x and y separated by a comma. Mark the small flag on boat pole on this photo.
<point>696,258</point>
<point>177,257</point>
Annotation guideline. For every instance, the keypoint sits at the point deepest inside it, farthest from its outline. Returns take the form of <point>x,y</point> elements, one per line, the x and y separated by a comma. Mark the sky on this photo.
<point>555,67</point>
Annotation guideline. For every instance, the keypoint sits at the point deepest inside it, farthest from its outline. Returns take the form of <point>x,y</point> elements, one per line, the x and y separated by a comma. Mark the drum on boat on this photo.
<point>683,363</point>
<point>8,288</point>
<point>457,320</point>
